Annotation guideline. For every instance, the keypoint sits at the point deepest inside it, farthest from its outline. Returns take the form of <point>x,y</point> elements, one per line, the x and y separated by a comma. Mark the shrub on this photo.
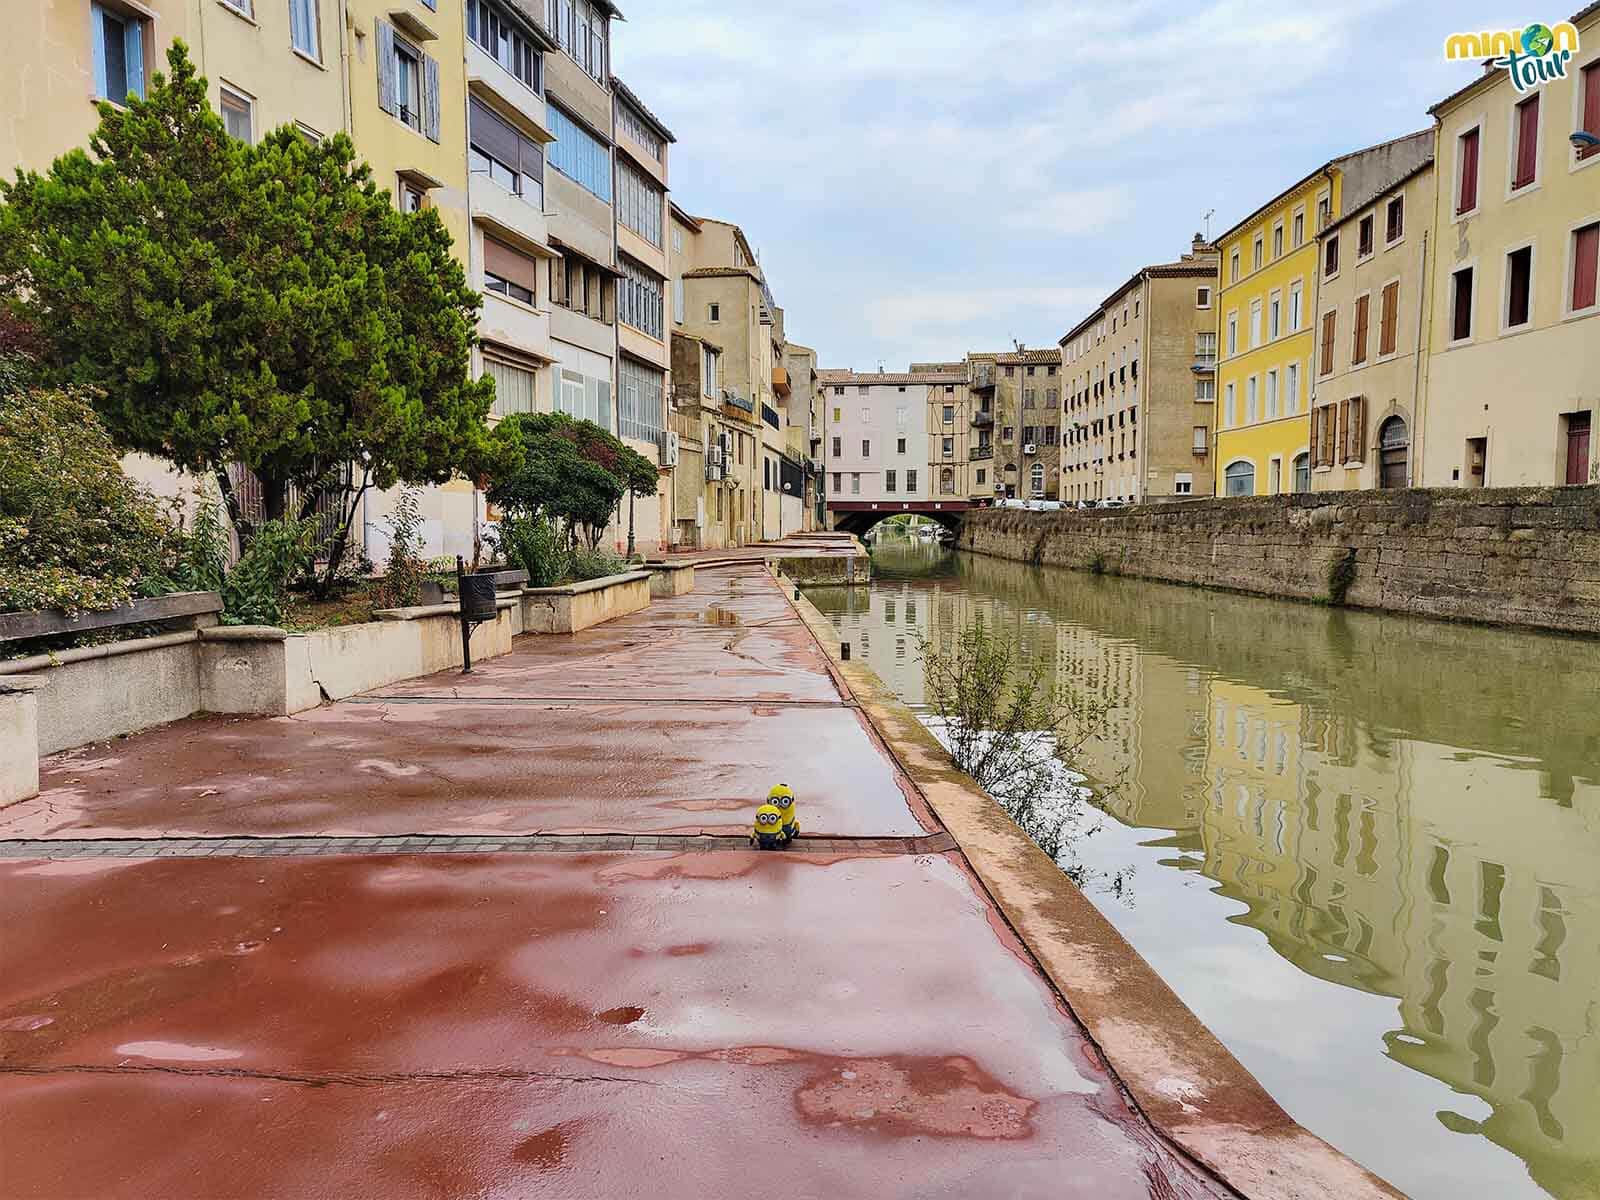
<point>532,544</point>
<point>75,532</point>
<point>256,591</point>
<point>401,586</point>
<point>1341,574</point>
<point>593,564</point>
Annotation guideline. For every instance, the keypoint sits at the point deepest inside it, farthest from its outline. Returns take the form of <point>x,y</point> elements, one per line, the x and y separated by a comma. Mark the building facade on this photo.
<point>1140,379</point>
<point>1266,298</point>
<point>1513,369</point>
<point>1372,319</point>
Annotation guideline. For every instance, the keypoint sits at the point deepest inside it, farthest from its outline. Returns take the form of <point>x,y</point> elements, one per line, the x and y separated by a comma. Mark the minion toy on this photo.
<point>767,832</point>
<point>782,798</point>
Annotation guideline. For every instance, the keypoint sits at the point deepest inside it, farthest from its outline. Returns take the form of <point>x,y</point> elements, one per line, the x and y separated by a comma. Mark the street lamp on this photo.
<point>1584,140</point>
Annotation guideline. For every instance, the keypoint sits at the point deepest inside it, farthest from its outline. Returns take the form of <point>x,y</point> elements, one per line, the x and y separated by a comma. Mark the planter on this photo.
<point>19,738</point>
<point>577,606</point>
<point>178,610</point>
<point>670,579</point>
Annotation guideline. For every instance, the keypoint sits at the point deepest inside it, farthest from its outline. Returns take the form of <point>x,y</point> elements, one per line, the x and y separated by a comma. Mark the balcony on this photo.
<point>1204,363</point>
<point>982,377</point>
<point>983,420</point>
<point>780,381</point>
<point>980,453</point>
<point>770,415</point>
<point>732,399</point>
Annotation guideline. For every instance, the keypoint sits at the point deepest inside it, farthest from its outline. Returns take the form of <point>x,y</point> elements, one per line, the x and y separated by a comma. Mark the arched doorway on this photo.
<point>1239,478</point>
<point>1036,479</point>
<point>1302,472</point>
<point>1394,453</point>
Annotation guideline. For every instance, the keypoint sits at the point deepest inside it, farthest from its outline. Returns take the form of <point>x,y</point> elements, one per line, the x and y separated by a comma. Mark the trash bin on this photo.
<point>477,597</point>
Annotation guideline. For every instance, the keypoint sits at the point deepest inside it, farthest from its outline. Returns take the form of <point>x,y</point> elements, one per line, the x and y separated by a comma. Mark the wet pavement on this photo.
<point>681,1018</point>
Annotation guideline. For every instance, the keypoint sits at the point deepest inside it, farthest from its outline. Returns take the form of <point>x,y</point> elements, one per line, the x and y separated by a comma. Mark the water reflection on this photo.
<point>1405,808</point>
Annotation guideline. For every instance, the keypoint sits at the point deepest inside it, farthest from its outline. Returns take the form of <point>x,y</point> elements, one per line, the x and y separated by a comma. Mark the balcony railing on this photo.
<point>732,399</point>
<point>980,453</point>
<point>1205,362</point>
<point>770,415</point>
<point>982,420</point>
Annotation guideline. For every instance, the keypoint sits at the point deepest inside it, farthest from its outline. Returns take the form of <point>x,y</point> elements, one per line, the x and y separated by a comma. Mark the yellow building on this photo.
<point>1265,302</point>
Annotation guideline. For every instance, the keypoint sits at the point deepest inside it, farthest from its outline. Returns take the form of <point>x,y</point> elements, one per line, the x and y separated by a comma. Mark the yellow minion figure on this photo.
<point>767,832</point>
<point>782,798</point>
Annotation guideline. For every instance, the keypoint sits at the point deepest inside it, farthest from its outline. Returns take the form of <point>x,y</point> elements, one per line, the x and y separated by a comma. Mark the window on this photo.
<point>1525,143</point>
<point>640,302</point>
<point>1233,267</point>
<point>838,449</point>
<point>1330,321</point>
<point>1323,423</point>
<point>1239,479</point>
<point>888,481</point>
<point>1585,263</point>
<point>1183,484</point>
<point>1296,297</point>
<point>243,6</point>
<point>509,272</point>
<point>947,482</point>
<point>1256,253</point>
<point>1519,285</point>
<point>639,202</point>
<point>410,197</point>
<point>585,397</point>
<point>501,38</point>
<point>1230,414</point>
<point>641,134</point>
<point>708,366</point>
<point>900,445</point>
<point>1202,297</point>
<point>1205,389</point>
<point>1389,319</point>
<point>679,310</point>
<point>713,313</point>
<point>983,476</point>
<point>1589,89</point>
<point>513,387</point>
<point>948,446</point>
<point>1291,389</point>
<point>1302,473</point>
<point>1324,212</point>
<point>582,287</point>
<point>238,115</point>
<point>1461,305</point>
<point>642,402</point>
<point>1251,412</point>
<point>911,481</point>
<point>1299,230</point>
<point>1330,258</point>
<point>1365,238</point>
<point>1395,220</point>
<point>579,155</point>
<point>498,150</point>
<point>838,483</point>
<point>855,483</point>
<point>1275,316</point>
<point>1353,427</point>
<point>1277,240</point>
<point>579,28</point>
<point>1467,172</point>
<point>1201,434</point>
<point>1233,333</point>
<point>1394,452</point>
<point>1255,324</point>
<point>1036,478</point>
<point>1205,348</point>
<point>866,447</point>
<point>1358,351</point>
<point>408,82</point>
<point>118,54</point>
<point>1272,394</point>
<point>949,414</point>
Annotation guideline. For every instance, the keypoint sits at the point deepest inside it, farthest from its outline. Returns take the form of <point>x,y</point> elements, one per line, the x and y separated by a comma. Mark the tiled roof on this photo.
<point>1018,358</point>
<point>1190,268</point>
<point>897,379</point>
<point>720,272</point>
<point>650,118</point>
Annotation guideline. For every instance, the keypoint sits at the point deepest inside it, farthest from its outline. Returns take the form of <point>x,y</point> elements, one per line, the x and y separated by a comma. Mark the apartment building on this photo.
<point>878,438</point>
<point>951,434</point>
<point>644,351</point>
<point>1372,313</point>
<point>1027,408</point>
<point>1514,339</point>
<point>1266,298</point>
<point>985,477</point>
<point>803,427</point>
<point>1140,380</point>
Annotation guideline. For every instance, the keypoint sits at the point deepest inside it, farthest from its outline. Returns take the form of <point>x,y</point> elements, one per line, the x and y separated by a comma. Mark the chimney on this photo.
<point>1197,245</point>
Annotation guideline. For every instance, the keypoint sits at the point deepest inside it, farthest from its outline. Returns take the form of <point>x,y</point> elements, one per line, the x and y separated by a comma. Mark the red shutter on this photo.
<point>1585,266</point>
<point>1467,200</point>
<point>1591,105</point>
<point>1527,142</point>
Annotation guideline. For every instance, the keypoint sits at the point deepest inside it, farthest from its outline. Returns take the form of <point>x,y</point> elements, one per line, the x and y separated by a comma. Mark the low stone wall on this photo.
<point>19,738</point>
<point>578,606</point>
<point>670,579</point>
<point>814,570</point>
<point>1512,556</point>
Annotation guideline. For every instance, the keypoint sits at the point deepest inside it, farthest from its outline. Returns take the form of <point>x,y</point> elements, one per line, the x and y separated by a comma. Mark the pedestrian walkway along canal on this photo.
<point>1364,849</point>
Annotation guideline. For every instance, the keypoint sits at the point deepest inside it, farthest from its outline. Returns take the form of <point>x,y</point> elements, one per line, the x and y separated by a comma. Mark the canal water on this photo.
<point>1364,849</point>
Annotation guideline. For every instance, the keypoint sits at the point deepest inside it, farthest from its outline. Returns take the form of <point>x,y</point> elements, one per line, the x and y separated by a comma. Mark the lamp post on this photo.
<point>1584,140</point>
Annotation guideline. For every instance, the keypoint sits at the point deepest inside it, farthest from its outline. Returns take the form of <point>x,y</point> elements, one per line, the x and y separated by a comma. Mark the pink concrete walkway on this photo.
<point>669,1022</point>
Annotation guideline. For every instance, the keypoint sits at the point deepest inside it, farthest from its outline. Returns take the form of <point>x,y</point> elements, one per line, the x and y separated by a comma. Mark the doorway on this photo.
<point>1477,462</point>
<point>1394,453</point>
<point>1578,430</point>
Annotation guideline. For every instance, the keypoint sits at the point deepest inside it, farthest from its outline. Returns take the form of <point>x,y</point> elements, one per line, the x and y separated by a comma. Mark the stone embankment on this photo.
<point>1506,556</point>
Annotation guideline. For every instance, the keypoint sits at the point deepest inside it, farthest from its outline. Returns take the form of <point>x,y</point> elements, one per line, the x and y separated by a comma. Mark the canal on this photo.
<point>1364,848</point>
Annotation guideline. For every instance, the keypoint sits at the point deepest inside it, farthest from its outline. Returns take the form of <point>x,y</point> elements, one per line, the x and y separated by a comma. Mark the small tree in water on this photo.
<point>1006,724</point>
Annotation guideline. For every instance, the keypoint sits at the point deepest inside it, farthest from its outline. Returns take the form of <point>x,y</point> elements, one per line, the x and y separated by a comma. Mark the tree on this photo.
<point>564,471</point>
<point>264,305</point>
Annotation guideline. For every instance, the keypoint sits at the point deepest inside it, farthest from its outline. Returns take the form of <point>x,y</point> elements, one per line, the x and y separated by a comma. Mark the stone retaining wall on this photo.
<point>1512,556</point>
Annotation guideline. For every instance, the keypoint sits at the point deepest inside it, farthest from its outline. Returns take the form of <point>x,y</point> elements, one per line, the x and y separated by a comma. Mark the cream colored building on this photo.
<point>803,427</point>
<point>1514,368</point>
<point>1140,379</point>
<point>1372,314</point>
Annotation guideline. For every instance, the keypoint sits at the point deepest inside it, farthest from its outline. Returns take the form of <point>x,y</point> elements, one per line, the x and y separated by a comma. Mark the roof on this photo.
<point>678,211</point>
<point>1425,165</point>
<point>1489,77</point>
<point>1029,357</point>
<point>896,379</point>
<point>1187,268</point>
<point>638,105</point>
<point>1307,178</point>
<point>721,272</point>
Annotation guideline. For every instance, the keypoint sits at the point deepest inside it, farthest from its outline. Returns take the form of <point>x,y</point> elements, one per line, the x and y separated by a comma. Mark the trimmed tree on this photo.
<point>264,305</point>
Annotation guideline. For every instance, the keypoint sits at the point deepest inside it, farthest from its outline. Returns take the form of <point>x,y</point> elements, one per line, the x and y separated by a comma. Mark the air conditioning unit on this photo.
<point>669,448</point>
<point>1030,448</point>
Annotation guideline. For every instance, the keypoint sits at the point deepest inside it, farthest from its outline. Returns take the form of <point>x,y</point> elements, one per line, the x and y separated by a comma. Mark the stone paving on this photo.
<point>502,936</point>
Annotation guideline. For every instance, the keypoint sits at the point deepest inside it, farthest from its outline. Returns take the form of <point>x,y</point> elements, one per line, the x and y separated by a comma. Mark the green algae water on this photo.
<point>1364,849</point>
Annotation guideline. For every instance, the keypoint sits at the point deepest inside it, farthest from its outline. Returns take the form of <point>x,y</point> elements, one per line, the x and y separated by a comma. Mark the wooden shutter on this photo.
<point>1388,331</point>
<point>430,98</point>
<point>1356,445</point>
<point>1527,142</point>
<point>500,259</point>
<point>1329,324</point>
<point>386,68</point>
<point>1341,436</point>
<point>1585,265</point>
<point>1590,82</point>
<point>1467,199</point>
<point>1358,351</point>
<point>1316,440</point>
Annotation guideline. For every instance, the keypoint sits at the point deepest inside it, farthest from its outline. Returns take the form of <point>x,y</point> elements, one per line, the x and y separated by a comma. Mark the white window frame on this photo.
<point>1450,340</point>
<point>1275,314</point>
<point>1255,322</point>
<point>1298,226</point>
<point>1252,400</point>
<point>1291,389</point>
<point>1405,219</point>
<point>1372,214</point>
<point>1506,329</point>
<point>1202,297</point>
<point>242,100</point>
<point>314,54</point>
<point>1570,275</point>
<point>1232,327</point>
<point>1512,128</point>
<point>1271,405</point>
<point>1456,169</point>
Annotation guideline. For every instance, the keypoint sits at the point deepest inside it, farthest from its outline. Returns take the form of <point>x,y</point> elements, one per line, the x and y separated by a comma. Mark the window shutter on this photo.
<point>1358,353</point>
<point>1391,319</point>
<point>1585,266</point>
<point>1329,321</point>
<point>1358,430</point>
<point>1316,439</point>
<point>1527,141</point>
<point>97,17</point>
<point>133,55</point>
<point>1591,106</point>
<point>386,68</point>
<point>430,97</point>
<point>500,259</point>
<point>1342,440</point>
<point>1468,199</point>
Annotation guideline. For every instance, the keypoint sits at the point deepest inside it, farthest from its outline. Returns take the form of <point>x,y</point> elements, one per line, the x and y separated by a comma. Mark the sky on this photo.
<point>926,179</point>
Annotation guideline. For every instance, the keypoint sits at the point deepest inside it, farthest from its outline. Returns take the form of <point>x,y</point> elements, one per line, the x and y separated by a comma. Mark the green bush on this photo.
<point>256,591</point>
<point>533,545</point>
<point>75,532</point>
<point>593,564</point>
<point>401,586</point>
